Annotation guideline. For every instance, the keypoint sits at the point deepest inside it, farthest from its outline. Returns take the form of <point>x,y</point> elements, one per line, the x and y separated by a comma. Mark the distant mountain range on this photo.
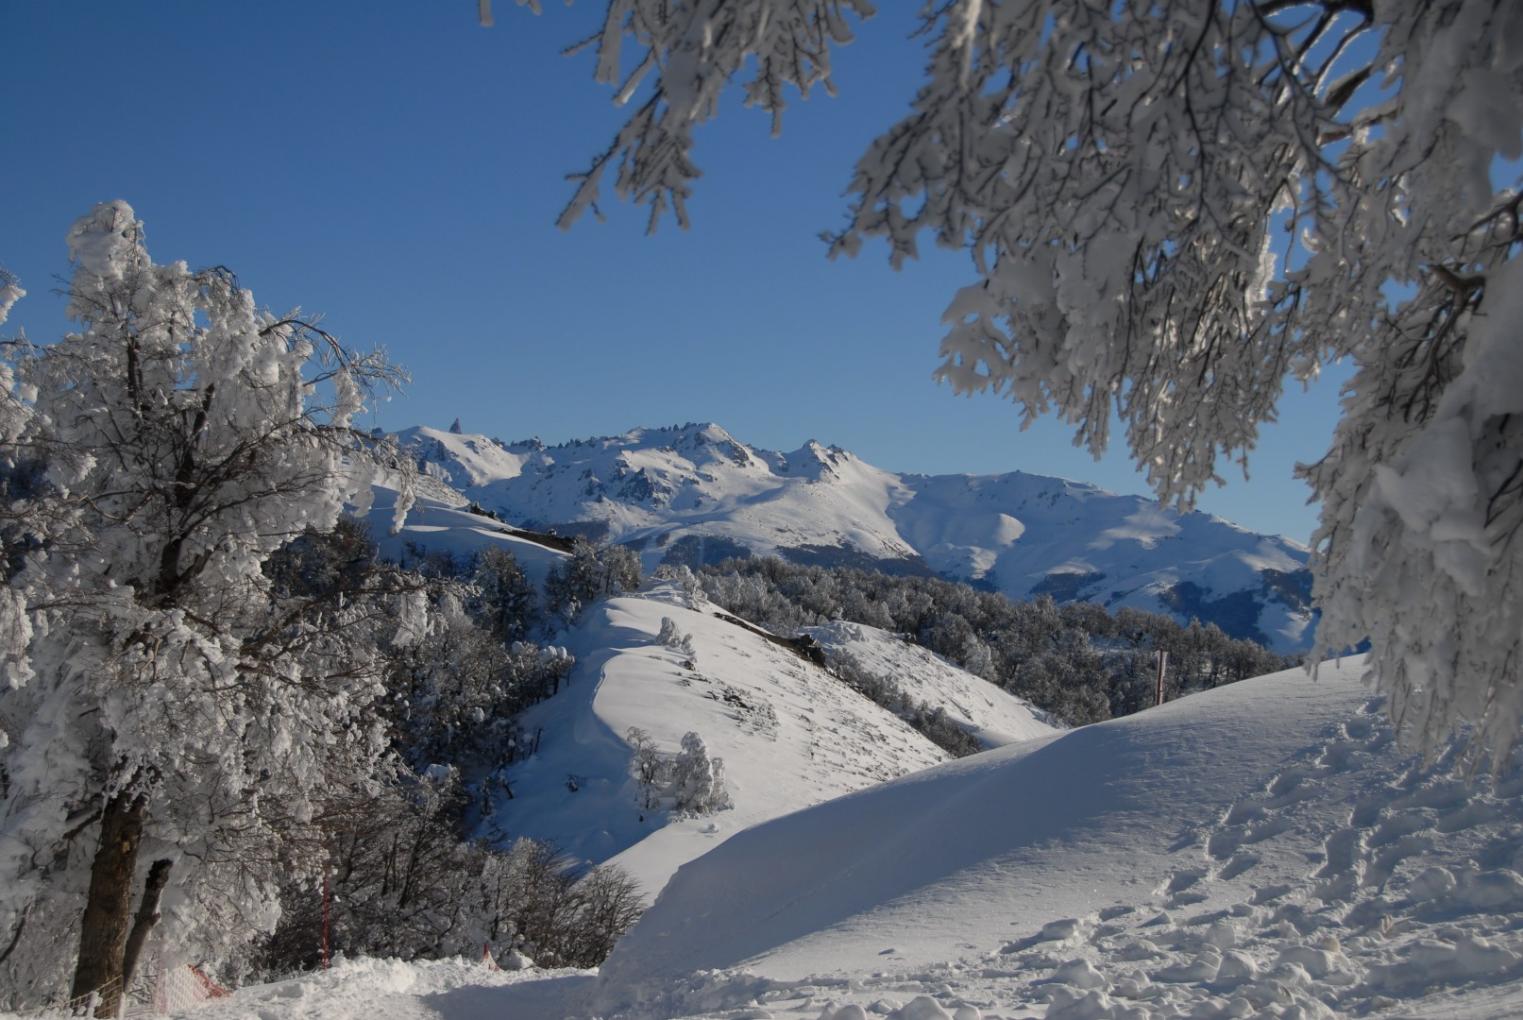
<point>694,494</point>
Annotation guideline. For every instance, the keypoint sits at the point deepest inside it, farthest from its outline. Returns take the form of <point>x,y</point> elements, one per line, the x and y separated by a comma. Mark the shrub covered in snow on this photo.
<point>697,779</point>
<point>689,782</point>
<point>402,882</point>
<point>673,638</point>
<point>687,581</point>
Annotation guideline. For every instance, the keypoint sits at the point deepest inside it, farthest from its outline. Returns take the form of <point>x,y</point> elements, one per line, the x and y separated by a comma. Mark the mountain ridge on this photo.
<point>695,494</point>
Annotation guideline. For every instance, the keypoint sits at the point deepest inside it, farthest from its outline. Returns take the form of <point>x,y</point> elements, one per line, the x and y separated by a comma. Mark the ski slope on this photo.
<point>790,734</point>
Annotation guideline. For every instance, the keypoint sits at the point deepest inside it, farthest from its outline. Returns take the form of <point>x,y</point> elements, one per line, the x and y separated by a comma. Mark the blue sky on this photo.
<point>398,169</point>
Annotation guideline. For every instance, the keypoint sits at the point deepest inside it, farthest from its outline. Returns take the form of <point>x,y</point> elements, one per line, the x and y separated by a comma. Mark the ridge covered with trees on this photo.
<point>1077,660</point>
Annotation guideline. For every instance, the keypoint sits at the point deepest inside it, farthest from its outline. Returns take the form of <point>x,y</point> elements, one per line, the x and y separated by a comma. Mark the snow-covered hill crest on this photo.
<point>790,734</point>
<point>1263,849</point>
<point>694,494</point>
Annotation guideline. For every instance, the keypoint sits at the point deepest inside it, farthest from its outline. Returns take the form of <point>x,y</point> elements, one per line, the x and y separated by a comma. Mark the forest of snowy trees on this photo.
<point>217,697</point>
<point>1077,661</point>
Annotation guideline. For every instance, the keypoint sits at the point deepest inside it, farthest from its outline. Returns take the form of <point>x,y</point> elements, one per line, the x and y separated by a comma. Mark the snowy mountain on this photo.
<point>790,734</point>
<point>695,494</point>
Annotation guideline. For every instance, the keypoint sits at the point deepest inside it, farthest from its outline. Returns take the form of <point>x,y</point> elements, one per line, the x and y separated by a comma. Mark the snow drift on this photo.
<point>1262,850</point>
<point>1263,845</point>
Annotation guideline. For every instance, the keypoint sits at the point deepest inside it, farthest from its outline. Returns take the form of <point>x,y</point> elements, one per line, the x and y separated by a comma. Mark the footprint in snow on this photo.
<point>1237,865</point>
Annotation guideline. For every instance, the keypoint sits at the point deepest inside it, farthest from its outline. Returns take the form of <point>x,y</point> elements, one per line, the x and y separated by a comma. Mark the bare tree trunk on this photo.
<point>147,917</point>
<point>103,931</point>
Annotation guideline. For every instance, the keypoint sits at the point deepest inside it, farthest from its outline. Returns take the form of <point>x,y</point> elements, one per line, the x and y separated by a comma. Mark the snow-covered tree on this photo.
<point>592,572</point>
<point>687,582</point>
<point>165,700</point>
<point>697,782</point>
<point>648,766</point>
<point>1172,209</point>
<point>672,637</point>
<point>505,599</point>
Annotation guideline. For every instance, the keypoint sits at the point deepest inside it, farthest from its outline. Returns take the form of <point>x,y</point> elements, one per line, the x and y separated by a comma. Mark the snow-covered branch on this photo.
<point>1171,210</point>
<point>687,54</point>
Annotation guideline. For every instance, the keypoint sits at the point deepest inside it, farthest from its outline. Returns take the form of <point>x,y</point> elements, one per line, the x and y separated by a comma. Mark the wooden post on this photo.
<point>1163,664</point>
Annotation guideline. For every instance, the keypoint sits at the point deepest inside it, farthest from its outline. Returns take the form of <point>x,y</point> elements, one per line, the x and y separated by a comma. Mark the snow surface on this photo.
<point>434,525</point>
<point>1082,820</point>
<point>651,488</point>
<point>790,734</point>
<point>990,713</point>
<point>1263,850</point>
<point>370,989</point>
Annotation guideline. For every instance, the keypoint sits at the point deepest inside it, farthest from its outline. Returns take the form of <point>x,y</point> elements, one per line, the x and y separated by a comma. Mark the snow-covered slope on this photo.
<point>369,989</point>
<point>1262,850</point>
<point>435,525</point>
<point>790,734</point>
<point>1258,850</point>
<point>992,714</point>
<point>695,494</point>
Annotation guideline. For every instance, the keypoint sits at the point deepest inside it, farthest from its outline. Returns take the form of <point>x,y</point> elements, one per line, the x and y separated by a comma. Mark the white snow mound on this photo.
<point>1258,850</point>
<point>1262,850</point>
